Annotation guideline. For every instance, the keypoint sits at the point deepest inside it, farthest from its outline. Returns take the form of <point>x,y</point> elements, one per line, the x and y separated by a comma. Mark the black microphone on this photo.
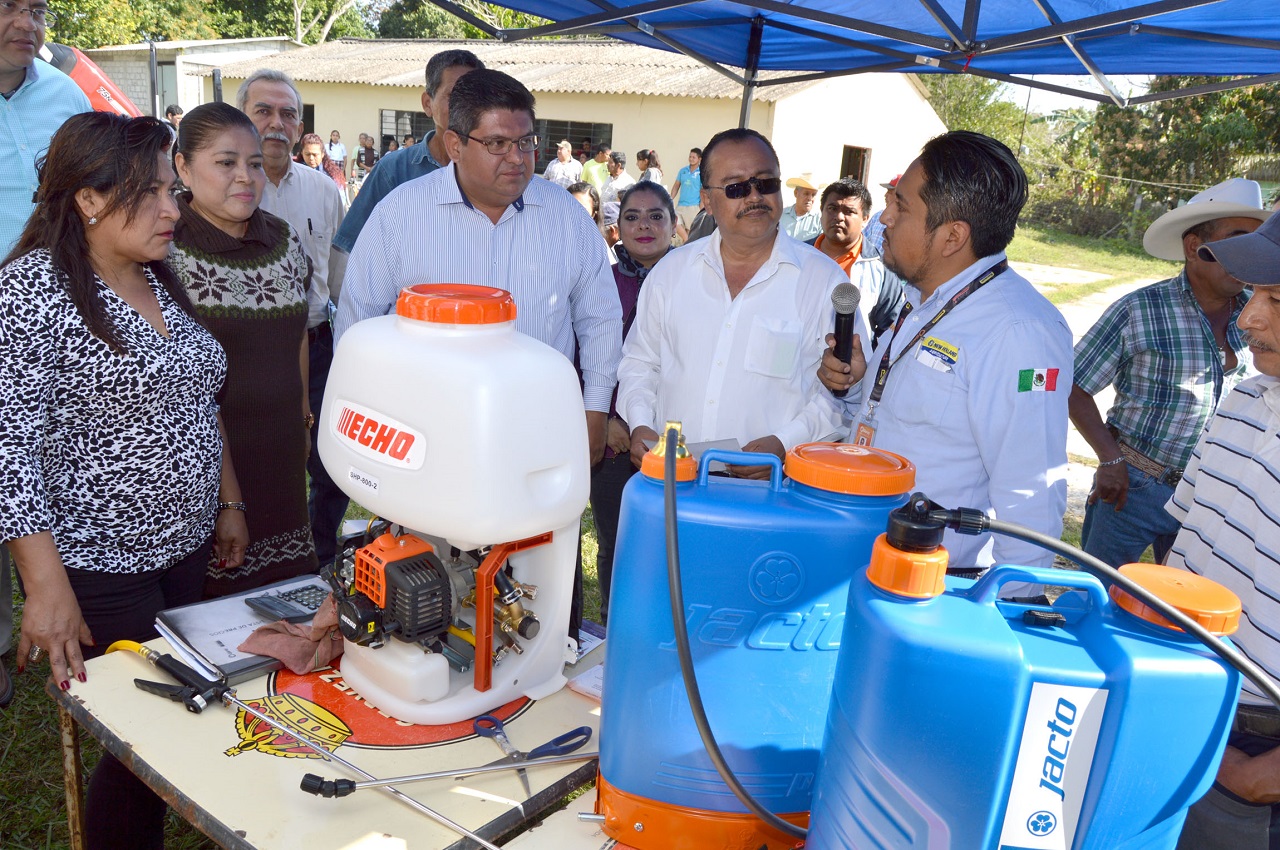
<point>845,298</point>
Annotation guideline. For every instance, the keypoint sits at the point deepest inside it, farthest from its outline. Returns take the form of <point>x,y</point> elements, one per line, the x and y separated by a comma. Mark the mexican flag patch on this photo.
<point>1037,380</point>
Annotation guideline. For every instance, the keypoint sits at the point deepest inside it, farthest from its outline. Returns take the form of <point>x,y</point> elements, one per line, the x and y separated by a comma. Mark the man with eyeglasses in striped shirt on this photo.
<point>484,220</point>
<point>37,98</point>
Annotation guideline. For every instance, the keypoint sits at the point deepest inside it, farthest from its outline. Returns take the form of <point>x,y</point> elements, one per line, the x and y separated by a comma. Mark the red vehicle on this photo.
<point>97,86</point>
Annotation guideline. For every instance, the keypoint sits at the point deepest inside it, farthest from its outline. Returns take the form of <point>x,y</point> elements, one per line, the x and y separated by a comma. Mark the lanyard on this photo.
<point>886,364</point>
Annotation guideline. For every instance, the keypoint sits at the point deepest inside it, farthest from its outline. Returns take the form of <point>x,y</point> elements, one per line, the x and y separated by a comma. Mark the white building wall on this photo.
<point>670,125</point>
<point>885,113</point>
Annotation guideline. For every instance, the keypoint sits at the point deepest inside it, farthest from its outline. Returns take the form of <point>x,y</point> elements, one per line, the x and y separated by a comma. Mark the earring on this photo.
<point>93,219</point>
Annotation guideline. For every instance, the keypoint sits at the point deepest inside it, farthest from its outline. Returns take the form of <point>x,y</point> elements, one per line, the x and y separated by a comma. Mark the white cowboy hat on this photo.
<point>1234,198</point>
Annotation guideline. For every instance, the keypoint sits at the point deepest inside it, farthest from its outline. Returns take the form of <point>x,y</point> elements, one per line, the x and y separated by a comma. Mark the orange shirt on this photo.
<point>846,260</point>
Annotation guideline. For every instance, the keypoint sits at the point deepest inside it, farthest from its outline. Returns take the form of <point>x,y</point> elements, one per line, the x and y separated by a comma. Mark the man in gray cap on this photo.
<point>1172,351</point>
<point>1227,504</point>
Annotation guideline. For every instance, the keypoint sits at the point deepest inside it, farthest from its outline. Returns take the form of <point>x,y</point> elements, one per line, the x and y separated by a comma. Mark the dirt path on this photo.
<point>1080,315</point>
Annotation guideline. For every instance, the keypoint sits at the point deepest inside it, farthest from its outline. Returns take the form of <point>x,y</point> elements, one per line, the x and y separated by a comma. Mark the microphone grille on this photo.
<point>845,297</point>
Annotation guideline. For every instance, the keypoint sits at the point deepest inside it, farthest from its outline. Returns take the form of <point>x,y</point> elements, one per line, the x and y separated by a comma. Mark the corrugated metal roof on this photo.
<point>571,66</point>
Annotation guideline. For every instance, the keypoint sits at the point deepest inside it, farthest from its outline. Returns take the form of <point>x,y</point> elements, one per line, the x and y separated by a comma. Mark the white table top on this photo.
<point>226,772</point>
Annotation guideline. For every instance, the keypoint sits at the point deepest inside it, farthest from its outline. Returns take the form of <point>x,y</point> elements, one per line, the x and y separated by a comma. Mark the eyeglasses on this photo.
<point>764,185</point>
<point>40,16</point>
<point>500,147</point>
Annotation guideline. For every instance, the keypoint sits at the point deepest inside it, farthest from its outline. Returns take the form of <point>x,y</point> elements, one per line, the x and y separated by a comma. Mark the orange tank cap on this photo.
<point>456,304</point>
<point>655,466</point>
<point>852,470</point>
<point>1203,600</point>
<point>915,575</point>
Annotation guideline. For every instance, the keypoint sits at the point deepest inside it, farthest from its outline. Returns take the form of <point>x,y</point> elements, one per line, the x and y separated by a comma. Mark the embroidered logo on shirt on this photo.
<point>937,354</point>
<point>1037,380</point>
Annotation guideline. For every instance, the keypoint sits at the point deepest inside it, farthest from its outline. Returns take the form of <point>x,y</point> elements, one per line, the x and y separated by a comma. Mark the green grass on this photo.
<point>1121,261</point>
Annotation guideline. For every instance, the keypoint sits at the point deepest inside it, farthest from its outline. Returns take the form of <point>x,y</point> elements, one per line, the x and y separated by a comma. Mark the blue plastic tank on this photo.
<point>959,721</point>
<point>766,570</point>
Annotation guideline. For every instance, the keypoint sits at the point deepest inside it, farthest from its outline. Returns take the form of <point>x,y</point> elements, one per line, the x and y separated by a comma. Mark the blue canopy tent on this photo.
<point>999,39</point>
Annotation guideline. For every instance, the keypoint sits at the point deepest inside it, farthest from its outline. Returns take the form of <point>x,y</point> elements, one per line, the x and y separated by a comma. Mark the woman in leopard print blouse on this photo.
<point>111,461</point>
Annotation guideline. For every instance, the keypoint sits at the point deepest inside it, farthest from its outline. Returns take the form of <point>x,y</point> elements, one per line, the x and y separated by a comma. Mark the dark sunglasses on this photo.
<point>764,185</point>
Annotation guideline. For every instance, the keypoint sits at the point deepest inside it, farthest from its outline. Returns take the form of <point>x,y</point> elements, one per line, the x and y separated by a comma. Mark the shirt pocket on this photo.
<point>773,347</point>
<point>925,395</point>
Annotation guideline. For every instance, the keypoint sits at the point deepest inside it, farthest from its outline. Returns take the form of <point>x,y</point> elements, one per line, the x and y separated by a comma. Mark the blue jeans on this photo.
<point>1222,821</point>
<point>326,504</point>
<point>1120,537</point>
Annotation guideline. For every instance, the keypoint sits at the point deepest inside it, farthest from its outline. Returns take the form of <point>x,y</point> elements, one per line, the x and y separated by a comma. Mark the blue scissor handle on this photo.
<point>488,726</point>
<point>563,745</point>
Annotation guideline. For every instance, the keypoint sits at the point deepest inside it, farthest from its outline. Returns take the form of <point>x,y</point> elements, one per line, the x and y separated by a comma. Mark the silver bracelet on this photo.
<point>232,506</point>
<point>1112,462</point>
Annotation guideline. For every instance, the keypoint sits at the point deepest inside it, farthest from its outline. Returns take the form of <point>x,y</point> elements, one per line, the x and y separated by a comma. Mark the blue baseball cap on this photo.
<point>1253,258</point>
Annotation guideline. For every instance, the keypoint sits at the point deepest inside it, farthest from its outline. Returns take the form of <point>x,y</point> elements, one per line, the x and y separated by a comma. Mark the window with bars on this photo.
<point>583,135</point>
<point>398,123</point>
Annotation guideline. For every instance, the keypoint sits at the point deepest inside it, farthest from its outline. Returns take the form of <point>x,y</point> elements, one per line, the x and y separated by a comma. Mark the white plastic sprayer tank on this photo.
<point>444,419</point>
<point>447,420</point>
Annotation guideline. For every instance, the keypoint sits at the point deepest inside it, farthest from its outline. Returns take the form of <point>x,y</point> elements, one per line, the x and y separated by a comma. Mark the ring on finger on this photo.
<point>34,655</point>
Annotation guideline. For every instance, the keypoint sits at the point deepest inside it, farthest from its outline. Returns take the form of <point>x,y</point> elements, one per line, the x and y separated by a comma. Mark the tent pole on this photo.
<point>752,69</point>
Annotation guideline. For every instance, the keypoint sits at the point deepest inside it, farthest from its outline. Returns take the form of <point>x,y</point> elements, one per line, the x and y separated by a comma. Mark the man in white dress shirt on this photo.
<point>972,383</point>
<point>729,330</point>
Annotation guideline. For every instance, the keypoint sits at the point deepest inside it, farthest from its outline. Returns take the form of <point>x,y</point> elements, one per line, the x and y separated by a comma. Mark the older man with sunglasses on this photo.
<point>729,330</point>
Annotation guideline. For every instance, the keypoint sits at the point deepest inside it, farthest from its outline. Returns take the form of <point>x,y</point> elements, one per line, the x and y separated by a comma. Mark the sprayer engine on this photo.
<point>398,586</point>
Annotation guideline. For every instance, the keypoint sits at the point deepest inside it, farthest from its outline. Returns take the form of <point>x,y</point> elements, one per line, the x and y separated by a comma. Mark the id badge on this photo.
<point>865,435</point>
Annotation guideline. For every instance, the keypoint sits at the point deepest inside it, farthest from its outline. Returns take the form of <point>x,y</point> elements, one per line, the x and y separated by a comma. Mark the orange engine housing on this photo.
<point>372,560</point>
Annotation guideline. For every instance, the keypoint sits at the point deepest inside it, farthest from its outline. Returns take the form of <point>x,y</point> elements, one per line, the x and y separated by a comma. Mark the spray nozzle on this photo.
<point>913,528</point>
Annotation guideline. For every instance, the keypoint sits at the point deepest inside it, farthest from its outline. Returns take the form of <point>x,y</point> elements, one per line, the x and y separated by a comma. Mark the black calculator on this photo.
<point>293,606</point>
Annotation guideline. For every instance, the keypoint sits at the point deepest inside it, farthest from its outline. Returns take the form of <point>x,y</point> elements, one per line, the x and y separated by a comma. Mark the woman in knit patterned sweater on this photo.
<point>247,276</point>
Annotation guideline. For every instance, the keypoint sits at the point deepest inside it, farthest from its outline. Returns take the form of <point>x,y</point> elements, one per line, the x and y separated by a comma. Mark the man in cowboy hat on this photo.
<point>802,220</point>
<point>1172,350</point>
<point>1225,502</point>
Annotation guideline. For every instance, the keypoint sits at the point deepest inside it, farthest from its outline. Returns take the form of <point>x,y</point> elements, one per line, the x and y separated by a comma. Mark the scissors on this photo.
<point>488,726</point>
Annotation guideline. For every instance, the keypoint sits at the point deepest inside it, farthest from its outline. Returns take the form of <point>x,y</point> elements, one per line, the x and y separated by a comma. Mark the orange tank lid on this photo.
<point>1203,600</point>
<point>852,470</point>
<point>456,304</point>
<point>654,464</point>
<point>915,575</point>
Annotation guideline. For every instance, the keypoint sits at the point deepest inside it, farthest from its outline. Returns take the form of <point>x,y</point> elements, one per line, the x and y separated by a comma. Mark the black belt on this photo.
<point>319,332</point>
<point>1260,720</point>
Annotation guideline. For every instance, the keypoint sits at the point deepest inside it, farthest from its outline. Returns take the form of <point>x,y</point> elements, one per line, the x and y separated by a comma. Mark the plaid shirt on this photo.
<point>1155,345</point>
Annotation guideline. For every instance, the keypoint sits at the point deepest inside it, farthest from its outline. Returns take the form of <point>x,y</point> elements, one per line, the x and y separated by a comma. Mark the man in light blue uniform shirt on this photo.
<point>37,98</point>
<point>444,69</point>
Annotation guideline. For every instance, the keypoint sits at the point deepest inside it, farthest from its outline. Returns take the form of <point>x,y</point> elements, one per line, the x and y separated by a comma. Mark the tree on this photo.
<point>966,102</point>
<point>418,19</point>
<point>97,23</point>
<point>1193,142</point>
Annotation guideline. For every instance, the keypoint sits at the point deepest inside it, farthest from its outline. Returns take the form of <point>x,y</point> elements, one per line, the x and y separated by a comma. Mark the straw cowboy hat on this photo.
<point>804,181</point>
<point>1234,198</point>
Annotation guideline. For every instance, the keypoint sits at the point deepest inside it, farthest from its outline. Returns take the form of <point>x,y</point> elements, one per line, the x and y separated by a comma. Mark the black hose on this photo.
<point>686,657</point>
<point>1110,574</point>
